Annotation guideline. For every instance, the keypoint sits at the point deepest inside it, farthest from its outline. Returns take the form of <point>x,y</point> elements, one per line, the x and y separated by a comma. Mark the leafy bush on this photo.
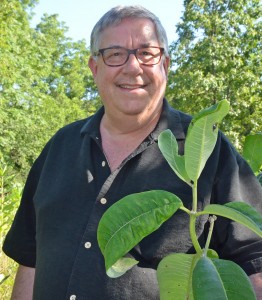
<point>10,193</point>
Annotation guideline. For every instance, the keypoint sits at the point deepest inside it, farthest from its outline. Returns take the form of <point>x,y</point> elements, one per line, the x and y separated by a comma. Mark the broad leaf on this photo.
<point>222,105</point>
<point>174,275</point>
<point>132,218</point>
<point>169,148</point>
<point>252,151</point>
<point>220,279</point>
<point>201,138</point>
<point>121,266</point>
<point>237,211</point>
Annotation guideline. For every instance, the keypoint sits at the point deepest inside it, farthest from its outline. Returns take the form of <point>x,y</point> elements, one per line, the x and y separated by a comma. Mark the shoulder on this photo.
<point>71,129</point>
<point>64,139</point>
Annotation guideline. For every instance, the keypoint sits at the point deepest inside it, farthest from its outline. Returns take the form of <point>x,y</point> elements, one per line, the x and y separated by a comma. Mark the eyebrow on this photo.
<point>144,45</point>
<point>115,46</point>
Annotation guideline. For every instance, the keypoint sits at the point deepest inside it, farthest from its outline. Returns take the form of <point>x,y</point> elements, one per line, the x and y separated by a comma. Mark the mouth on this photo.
<point>131,86</point>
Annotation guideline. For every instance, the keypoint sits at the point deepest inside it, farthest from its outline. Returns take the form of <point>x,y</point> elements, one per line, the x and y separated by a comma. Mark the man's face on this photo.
<point>131,89</point>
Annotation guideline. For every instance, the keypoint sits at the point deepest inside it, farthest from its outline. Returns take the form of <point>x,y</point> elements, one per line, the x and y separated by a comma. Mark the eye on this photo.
<point>145,53</point>
<point>113,53</point>
<point>116,53</point>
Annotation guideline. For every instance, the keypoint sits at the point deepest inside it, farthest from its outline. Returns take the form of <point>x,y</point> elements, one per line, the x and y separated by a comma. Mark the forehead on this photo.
<point>130,31</point>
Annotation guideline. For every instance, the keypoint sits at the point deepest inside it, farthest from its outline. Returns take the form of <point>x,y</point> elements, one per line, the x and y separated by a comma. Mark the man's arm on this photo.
<point>256,280</point>
<point>24,282</point>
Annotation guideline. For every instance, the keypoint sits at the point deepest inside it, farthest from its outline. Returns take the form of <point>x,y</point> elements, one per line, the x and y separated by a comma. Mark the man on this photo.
<point>90,164</point>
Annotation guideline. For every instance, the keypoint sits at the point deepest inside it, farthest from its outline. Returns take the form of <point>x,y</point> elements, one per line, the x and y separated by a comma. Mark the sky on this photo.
<point>80,16</point>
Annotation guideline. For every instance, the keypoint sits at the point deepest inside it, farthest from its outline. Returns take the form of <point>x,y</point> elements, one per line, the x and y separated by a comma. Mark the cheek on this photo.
<point>160,77</point>
<point>105,77</point>
<point>104,84</point>
<point>100,79</point>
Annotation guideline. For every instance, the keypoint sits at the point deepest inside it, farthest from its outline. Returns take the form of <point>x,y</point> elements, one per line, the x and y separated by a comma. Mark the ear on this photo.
<point>166,65</point>
<point>92,63</point>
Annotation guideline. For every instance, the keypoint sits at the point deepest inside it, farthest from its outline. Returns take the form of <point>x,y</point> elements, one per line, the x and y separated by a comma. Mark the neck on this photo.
<point>121,137</point>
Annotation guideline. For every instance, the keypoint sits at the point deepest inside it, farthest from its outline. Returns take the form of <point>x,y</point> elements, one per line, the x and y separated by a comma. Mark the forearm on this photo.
<point>24,282</point>
<point>256,280</point>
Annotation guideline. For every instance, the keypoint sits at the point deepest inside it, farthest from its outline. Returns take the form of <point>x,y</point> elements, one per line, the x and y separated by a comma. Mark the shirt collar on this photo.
<point>92,125</point>
<point>169,119</point>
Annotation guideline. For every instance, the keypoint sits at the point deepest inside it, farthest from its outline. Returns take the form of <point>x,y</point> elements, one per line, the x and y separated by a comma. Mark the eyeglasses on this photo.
<point>118,56</point>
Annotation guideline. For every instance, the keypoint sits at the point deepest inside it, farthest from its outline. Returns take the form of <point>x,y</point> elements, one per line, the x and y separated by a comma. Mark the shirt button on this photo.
<point>103,163</point>
<point>103,200</point>
<point>72,297</point>
<point>87,245</point>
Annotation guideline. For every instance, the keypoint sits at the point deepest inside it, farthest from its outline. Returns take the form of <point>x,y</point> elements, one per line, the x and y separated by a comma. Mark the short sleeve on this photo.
<point>235,181</point>
<point>20,243</point>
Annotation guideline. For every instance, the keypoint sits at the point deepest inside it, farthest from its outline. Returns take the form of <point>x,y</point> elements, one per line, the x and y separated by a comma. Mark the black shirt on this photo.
<point>70,186</point>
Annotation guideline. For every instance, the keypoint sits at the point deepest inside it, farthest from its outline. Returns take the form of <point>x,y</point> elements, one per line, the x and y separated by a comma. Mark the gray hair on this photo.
<point>115,15</point>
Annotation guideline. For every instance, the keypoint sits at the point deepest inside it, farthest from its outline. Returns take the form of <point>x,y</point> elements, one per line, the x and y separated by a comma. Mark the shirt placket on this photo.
<point>88,250</point>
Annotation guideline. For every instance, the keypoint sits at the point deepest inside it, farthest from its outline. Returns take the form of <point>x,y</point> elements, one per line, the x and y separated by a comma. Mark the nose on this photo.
<point>132,64</point>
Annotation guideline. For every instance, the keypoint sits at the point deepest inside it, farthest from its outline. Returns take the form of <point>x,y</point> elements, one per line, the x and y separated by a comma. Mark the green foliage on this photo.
<point>201,138</point>
<point>239,212</point>
<point>45,83</point>
<point>168,145</point>
<point>223,278</point>
<point>218,56</point>
<point>252,151</point>
<point>128,221</point>
<point>130,226</point>
<point>202,132</point>
<point>174,275</point>
<point>10,193</point>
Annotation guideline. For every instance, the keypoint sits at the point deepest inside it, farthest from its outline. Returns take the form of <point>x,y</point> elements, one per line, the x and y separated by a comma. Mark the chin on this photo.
<point>133,109</point>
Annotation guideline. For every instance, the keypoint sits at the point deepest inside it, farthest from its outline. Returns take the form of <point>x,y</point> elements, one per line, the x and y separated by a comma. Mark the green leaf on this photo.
<point>224,104</point>
<point>201,138</point>
<point>174,275</point>
<point>237,211</point>
<point>212,253</point>
<point>169,148</point>
<point>252,151</point>
<point>121,266</point>
<point>132,218</point>
<point>220,279</point>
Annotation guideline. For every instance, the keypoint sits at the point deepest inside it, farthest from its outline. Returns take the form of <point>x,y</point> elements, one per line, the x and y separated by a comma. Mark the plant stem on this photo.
<point>211,220</point>
<point>185,210</point>
<point>192,228</point>
<point>194,205</point>
<point>192,225</point>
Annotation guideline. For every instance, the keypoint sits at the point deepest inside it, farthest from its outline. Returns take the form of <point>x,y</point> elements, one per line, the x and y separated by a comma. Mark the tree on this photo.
<point>218,56</point>
<point>45,82</point>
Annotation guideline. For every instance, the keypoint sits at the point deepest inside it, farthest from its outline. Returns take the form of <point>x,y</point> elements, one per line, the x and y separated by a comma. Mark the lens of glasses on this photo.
<point>115,56</point>
<point>119,56</point>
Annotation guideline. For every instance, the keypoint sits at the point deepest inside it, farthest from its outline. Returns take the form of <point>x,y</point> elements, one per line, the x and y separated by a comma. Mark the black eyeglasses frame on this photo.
<point>130,51</point>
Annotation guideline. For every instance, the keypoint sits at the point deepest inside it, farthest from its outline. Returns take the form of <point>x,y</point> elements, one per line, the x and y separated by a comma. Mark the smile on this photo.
<point>130,87</point>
